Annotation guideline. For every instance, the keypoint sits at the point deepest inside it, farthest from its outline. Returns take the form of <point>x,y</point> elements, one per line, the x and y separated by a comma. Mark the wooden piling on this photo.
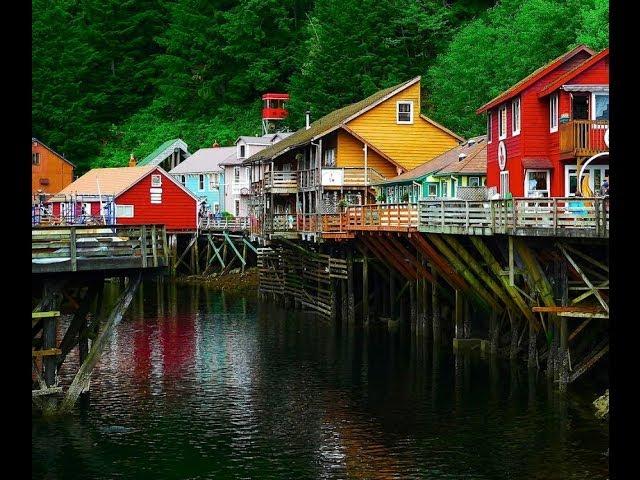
<point>435,304</point>
<point>365,289</point>
<point>351,303</point>
<point>459,313</point>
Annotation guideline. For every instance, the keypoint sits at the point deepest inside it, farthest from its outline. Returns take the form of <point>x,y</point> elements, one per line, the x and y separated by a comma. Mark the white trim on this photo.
<point>156,180</point>
<point>489,127</point>
<point>404,102</point>
<point>469,181</point>
<point>553,128</point>
<point>590,169</point>
<point>201,175</point>
<point>515,101</point>
<point>504,174</point>
<point>592,113</point>
<point>533,170</point>
<point>500,108</point>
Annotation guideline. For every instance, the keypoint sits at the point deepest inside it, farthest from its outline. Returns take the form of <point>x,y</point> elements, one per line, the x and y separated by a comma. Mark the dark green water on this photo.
<point>215,387</point>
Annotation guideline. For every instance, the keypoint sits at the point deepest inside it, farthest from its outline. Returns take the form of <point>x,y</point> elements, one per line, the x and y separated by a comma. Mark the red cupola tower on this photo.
<point>273,110</point>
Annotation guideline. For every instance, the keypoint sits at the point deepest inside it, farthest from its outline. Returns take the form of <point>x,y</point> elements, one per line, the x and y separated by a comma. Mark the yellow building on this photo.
<point>335,160</point>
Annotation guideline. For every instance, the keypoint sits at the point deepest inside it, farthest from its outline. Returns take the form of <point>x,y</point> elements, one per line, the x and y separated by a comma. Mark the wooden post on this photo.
<point>413,307</point>
<point>73,250</point>
<point>49,342</point>
<point>365,289</point>
<point>154,245</point>
<point>562,295</point>
<point>143,245</point>
<point>244,255</point>
<point>493,332</point>
<point>467,318</point>
<point>459,313</point>
<point>425,300</point>
<point>196,255</point>
<point>513,349</point>
<point>533,349</point>
<point>392,295</point>
<point>351,309</point>
<point>435,304</point>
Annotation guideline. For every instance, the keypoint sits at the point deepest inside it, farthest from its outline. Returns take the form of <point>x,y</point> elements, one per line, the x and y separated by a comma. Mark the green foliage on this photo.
<point>115,77</point>
<point>495,51</point>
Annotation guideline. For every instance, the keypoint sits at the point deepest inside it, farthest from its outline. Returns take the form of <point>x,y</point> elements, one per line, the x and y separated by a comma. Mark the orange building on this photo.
<point>50,171</point>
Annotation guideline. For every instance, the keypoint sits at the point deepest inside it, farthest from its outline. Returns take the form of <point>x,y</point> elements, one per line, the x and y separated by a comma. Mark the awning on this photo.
<point>541,163</point>
<point>586,88</point>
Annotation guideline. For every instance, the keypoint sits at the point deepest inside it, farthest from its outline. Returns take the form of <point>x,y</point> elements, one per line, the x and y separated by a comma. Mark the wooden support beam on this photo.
<point>351,309</point>
<point>382,254</point>
<point>459,312</point>
<point>81,380</point>
<point>49,352</point>
<point>568,309</point>
<point>51,314</point>
<point>393,257</point>
<point>233,247</point>
<point>421,271</point>
<point>365,288</point>
<point>435,312</point>
<point>443,267</point>
<point>586,257</point>
<point>248,244</point>
<point>590,361</point>
<point>193,240</point>
<point>486,299</point>
<point>595,291</point>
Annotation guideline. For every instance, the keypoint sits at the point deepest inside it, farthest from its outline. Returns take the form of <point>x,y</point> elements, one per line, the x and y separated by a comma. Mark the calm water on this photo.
<point>223,387</point>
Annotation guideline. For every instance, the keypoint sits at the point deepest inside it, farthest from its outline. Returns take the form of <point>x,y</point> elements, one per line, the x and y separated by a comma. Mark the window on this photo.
<point>330,157</point>
<point>536,183</point>
<point>182,179</point>
<point>237,208</point>
<point>236,175</point>
<point>444,187</point>
<point>432,190</point>
<point>474,181</point>
<point>504,183</point>
<point>242,151</point>
<point>404,112</point>
<point>247,173</point>
<point>353,198</point>
<point>213,181</point>
<point>124,211</point>
<point>35,159</point>
<point>502,122</point>
<point>489,118</point>
<point>515,116</point>
<point>553,113</point>
<point>201,182</point>
<point>601,106</point>
<point>156,180</point>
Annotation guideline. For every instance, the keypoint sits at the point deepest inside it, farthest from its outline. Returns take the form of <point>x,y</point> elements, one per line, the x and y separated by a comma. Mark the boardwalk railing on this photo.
<point>229,224</point>
<point>567,216</point>
<point>320,222</point>
<point>399,216</point>
<point>583,138</point>
<point>86,248</point>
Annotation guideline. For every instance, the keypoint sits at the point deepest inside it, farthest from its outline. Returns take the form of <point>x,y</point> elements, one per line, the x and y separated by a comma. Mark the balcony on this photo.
<point>582,138</point>
<point>281,181</point>
<point>274,113</point>
<point>350,176</point>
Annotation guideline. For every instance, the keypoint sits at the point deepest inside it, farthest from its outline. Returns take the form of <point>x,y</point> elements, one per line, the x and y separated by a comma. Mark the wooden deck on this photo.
<point>91,248</point>
<point>236,224</point>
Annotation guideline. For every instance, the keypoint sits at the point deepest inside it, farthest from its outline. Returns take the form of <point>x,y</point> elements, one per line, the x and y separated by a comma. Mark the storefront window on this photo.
<point>537,183</point>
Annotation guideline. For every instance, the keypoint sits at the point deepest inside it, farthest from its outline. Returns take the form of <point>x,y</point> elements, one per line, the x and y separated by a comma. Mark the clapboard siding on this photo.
<point>54,172</point>
<point>350,153</point>
<point>177,211</point>
<point>408,145</point>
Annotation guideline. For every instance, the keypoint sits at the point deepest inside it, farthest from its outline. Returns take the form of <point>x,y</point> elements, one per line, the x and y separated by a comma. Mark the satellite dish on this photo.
<point>502,155</point>
<point>244,191</point>
<point>606,138</point>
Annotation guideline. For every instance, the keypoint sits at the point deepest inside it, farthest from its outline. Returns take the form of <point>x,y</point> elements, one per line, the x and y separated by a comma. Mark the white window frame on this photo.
<point>502,124</point>
<point>236,208</point>
<point>35,158</point>
<point>444,188</point>
<point>404,102</point>
<point>236,175</point>
<point>489,121</point>
<point>527,171</point>
<point>183,180</point>
<point>572,170</point>
<point>553,113</point>
<point>242,154</point>
<point>515,103</point>
<point>593,106</point>
<point>120,214</point>
<point>474,178</point>
<point>201,182</point>
<point>156,180</point>
<point>213,181</point>
<point>329,157</point>
<point>504,182</point>
<point>435,187</point>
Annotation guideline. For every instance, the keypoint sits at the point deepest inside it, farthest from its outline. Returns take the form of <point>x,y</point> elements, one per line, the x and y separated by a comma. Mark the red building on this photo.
<point>130,195</point>
<point>543,129</point>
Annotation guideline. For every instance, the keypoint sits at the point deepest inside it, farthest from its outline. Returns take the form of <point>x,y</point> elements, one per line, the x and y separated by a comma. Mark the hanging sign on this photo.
<point>332,177</point>
<point>502,155</point>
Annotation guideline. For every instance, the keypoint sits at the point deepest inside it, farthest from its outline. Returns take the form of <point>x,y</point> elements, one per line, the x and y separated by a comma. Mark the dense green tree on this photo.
<point>594,30</point>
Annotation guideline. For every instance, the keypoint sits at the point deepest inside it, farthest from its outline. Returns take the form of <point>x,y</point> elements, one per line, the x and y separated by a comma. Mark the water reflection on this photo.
<point>199,384</point>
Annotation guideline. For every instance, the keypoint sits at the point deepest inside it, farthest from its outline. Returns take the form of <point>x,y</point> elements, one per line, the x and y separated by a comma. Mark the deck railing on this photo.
<point>229,224</point>
<point>381,216</point>
<point>281,179</point>
<point>281,222</point>
<point>583,138</point>
<point>320,222</point>
<point>566,216</point>
<point>83,248</point>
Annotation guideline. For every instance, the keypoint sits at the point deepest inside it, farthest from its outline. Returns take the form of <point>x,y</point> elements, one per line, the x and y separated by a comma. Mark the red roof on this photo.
<point>542,163</point>
<point>275,96</point>
<point>573,73</point>
<point>533,77</point>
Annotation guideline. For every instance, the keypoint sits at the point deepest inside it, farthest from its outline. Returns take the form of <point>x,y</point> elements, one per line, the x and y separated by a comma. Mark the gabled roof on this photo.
<point>470,148</point>
<point>112,181</point>
<point>34,139</point>
<point>574,72</point>
<point>264,140</point>
<point>533,77</point>
<point>108,181</point>
<point>163,151</point>
<point>205,160</point>
<point>329,122</point>
<point>475,161</point>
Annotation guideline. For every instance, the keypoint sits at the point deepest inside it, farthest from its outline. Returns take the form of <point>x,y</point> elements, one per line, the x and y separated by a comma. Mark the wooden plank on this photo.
<point>46,353</point>
<point>45,391</point>
<point>54,313</point>
<point>568,309</point>
<point>72,249</point>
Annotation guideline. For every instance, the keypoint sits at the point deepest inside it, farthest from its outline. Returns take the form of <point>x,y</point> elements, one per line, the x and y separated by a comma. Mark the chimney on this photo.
<point>215,144</point>
<point>133,161</point>
<point>308,119</point>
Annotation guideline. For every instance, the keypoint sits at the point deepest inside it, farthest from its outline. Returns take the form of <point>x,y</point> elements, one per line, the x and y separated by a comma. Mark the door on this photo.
<point>580,106</point>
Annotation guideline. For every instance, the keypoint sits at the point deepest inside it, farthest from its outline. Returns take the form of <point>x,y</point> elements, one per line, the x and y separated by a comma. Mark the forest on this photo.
<point>111,78</point>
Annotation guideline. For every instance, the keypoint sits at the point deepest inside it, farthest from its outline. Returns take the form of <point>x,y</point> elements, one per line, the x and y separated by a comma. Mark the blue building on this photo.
<point>202,175</point>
